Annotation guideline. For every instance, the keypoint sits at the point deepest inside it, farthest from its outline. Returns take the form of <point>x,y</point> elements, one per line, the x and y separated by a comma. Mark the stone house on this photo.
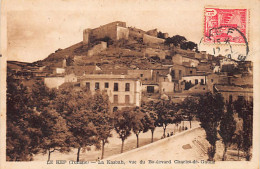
<point>123,90</point>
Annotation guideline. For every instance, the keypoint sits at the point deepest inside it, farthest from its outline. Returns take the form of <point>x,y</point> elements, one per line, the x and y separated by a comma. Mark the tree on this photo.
<point>123,123</point>
<point>176,40</point>
<point>102,118</point>
<point>227,128</point>
<point>75,105</point>
<point>23,135</point>
<point>165,114</point>
<point>138,123</point>
<point>56,135</point>
<point>189,106</point>
<point>209,111</point>
<point>150,117</point>
<point>43,97</point>
<point>245,111</point>
<point>238,140</point>
<point>189,45</point>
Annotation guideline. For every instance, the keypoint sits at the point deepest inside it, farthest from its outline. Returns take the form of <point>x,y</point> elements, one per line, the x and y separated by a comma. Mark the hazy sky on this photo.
<point>36,28</point>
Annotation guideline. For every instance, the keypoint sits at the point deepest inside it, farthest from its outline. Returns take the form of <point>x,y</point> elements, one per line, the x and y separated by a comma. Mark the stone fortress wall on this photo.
<point>118,30</point>
<point>115,30</point>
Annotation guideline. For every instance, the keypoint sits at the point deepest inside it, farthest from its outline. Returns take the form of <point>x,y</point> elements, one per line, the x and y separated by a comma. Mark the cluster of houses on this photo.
<point>181,73</point>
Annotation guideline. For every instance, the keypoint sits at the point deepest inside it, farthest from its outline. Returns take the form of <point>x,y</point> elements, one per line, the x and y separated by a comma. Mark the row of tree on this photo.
<point>218,118</point>
<point>43,120</point>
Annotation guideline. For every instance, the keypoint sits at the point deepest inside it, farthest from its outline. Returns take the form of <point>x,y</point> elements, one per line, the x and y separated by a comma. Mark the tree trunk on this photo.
<point>78,154</point>
<point>137,140</point>
<point>238,154</point>
<point>247,155</point>
<point>152,135</point>
<point>164,130</point>
<point>122,146</point>
<point>190,124</point>
<point>49,155</point>
<point>224,153</point>
<point>103,149</point>
<point>211,152</point>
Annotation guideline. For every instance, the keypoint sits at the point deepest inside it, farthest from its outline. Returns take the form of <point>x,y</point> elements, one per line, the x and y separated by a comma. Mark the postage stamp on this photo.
<point>225,26</point>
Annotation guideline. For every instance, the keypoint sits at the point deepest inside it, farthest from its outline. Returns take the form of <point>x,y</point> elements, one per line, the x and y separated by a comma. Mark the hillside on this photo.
<point>122,54</point>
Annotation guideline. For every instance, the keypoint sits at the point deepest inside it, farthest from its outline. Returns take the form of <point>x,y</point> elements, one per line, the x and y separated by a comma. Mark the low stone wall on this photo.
<point>97,48</point>
<point>147,39</point>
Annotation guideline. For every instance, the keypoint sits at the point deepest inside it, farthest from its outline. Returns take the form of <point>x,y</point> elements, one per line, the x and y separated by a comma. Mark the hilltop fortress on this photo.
<point>118,30</point>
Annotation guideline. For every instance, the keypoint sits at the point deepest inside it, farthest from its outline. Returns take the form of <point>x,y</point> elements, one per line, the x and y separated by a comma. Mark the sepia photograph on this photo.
<point>129,84</point>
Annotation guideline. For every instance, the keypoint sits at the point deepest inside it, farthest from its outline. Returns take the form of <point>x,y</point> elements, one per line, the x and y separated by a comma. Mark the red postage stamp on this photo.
<point>225,26</point>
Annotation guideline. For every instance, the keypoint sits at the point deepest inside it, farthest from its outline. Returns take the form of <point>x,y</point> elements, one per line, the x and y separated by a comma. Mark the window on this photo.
<point>127,87</point>
<point>191,72</point>
<point>230,98</point>
<point>173,74</point>
<point>202,81</point>
<point>196,81</point>
<point>115,98</point>
<point>141,75</point>
<point>127,99</point>
<point>106,85</point>
<point>97,86</point>
<point>150,89</point>
<point>212,80</point>
<point>88,85</point>
<point>115,86</point>
<point>180,73</point>
<point>77,85</point>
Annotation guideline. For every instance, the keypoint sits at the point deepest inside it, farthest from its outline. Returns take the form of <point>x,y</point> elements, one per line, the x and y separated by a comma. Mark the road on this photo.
<point>180,147</point>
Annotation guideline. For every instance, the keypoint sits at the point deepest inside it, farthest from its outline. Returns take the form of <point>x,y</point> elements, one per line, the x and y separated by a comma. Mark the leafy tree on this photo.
<point>238,140</point>
<point>75,105</point>
<point>56,135</point>
<point>102,118</point>
<point>123,123</point>
<point>189,45</point>
<point>227,129</point>
<point>165,114</point>
<point>43,96</point>
<point>209,111</point>
<point>150,117</point>
<point>176,40</point>
<point>23,135</point>
<point>189,107</point>
<point>138,123</point>
<point>245,111</point>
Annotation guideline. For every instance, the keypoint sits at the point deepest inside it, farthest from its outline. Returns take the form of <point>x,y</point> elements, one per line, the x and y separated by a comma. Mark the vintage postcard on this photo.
<point>129,84</point>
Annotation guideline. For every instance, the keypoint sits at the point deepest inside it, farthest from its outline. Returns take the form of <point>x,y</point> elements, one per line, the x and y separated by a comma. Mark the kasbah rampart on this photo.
<point>133,65</point>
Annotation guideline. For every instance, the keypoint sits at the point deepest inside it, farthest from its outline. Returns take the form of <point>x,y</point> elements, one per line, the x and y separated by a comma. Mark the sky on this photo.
<point>36,28</point>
